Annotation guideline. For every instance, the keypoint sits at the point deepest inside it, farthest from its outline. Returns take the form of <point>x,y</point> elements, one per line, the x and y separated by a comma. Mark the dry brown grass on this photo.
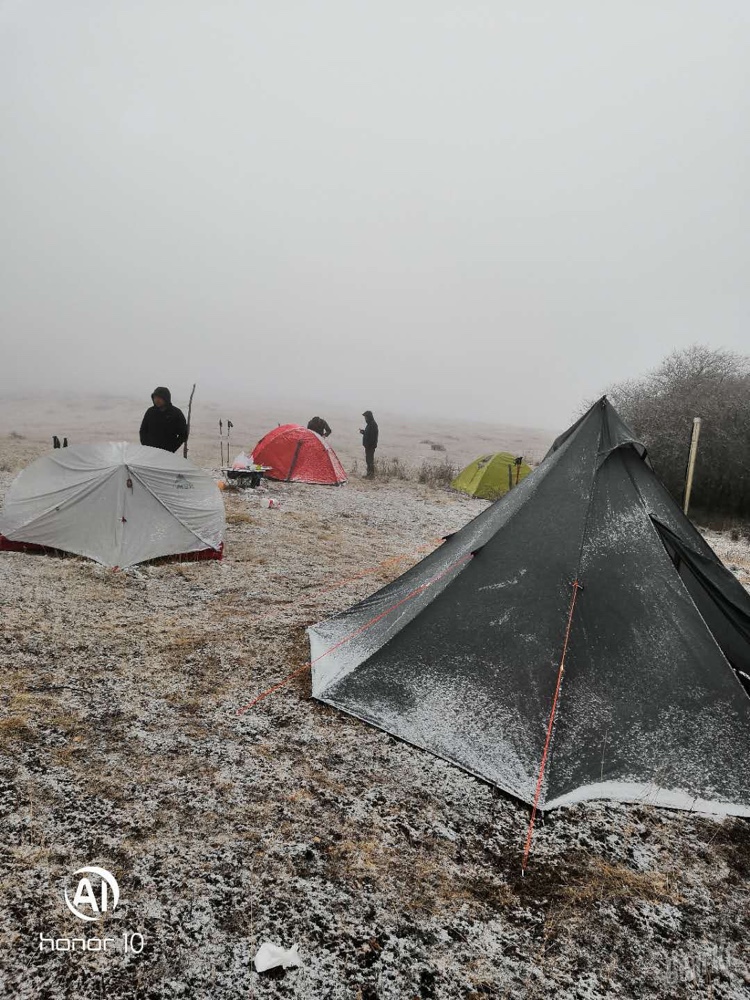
<point>392,468</point>
<point>14,730</point>
<point>605,882</point>
<point>424,876</point>
<point>70,755</point>
<point>65,723</point>
<point>301,795</point>
<point>599,882</point>
<point>239,517</point>
<point>186,642</point>
<point>437,473</point>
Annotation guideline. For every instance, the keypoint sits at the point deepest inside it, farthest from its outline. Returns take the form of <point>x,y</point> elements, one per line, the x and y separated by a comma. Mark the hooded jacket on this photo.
<point>370,433</point>
<point>320,426</point>
<point>165,429</point>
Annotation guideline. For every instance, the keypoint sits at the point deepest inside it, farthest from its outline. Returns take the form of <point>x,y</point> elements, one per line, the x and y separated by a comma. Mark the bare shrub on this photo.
<point>436,473</point>
<point>697,381</point>
<point>436,446</point>
<point>15,436</point>
<point>392,468</point>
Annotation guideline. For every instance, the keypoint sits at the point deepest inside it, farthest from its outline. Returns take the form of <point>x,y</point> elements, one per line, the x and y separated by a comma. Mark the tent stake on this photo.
<point>691,463</point>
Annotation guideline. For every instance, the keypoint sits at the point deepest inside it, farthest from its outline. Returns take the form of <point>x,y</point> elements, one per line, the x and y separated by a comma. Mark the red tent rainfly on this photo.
<point>298,455</point>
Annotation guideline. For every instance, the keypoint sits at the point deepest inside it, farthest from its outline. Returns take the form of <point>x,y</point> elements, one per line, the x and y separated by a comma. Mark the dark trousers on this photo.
<point>370,459</point>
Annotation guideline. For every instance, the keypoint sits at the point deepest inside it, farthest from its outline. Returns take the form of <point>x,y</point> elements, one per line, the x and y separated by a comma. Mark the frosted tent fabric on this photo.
<point>467,668</point>
<point>296,454</point>
<point>472,676</point>
<point>78,500</point>
<point>720,604</point>
<point>650,708</point>
<point>487,477</point>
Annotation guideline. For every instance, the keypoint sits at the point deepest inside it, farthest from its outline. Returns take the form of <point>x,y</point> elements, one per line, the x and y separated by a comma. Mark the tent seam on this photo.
<point>158,499</point>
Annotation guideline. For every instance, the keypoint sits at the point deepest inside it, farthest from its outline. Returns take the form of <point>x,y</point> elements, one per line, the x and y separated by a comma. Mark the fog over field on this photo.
<point>470,217</point>
<point>410,439</point>
<point>487,210</point>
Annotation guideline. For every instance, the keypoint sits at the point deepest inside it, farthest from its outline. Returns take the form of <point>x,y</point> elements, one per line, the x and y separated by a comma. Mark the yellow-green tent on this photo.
<point>488,477</point>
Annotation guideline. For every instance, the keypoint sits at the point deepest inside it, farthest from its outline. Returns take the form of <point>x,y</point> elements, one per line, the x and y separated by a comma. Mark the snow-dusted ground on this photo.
<point>397,874</point>
<point>734,553</point>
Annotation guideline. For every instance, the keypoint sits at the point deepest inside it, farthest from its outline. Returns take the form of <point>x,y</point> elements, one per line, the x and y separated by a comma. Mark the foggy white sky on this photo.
<point>489,209</point>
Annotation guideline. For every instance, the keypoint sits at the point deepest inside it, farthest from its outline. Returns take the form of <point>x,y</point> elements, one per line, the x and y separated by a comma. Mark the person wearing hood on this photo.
<point>369,441</point>
<point>320,426</point>
<point>163,425</point>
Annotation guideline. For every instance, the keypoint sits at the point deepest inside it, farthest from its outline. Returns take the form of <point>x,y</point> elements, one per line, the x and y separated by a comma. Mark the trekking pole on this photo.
<point>230,425</point>
<point>190,407</point>
<point>221,443</point>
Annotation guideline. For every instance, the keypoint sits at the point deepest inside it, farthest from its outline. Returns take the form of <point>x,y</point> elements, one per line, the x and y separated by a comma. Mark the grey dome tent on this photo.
<point>590,556</point>
<point>116,503</point>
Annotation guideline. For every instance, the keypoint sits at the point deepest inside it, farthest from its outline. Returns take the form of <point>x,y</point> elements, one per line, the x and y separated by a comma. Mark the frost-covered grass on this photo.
<point>398,875</point>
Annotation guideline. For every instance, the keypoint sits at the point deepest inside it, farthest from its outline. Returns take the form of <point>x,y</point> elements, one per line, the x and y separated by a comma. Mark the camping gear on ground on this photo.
<point>491,476</point>
<point>578,639</point>
<point>244,472</point>
<point>116,503</point>
<point>298,455</point>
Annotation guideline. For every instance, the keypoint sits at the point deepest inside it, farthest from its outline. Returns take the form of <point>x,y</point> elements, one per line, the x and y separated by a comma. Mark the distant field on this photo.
<point>100,418</point>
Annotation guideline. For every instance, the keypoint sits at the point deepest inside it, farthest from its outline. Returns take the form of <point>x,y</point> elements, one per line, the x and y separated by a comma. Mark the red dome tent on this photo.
<point>298,455</point>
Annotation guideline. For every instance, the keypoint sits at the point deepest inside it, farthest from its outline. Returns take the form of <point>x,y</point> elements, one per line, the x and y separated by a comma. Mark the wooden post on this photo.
<point>691,462</point>
<point>190,407</point>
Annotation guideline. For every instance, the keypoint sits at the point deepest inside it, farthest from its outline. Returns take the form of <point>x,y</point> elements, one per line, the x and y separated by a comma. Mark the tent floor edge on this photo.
<point>34,548</point>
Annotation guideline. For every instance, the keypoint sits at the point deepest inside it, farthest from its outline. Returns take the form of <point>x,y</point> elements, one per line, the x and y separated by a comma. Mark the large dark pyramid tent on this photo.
<point>461,655</point>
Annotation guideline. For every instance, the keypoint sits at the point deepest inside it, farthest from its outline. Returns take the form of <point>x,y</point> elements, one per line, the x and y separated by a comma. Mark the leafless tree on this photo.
<point>697,381</point>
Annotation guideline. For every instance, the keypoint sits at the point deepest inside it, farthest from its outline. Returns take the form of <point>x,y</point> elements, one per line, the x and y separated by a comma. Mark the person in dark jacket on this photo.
<point>369,441</point>
<point>163,425</point>
<point>320,426</point>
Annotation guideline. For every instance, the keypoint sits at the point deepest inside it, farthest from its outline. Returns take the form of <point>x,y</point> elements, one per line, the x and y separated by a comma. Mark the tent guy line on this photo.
<point>392,560</point>
<point>577,585</point>
<point>553,712</point>
<point>363,628</point>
